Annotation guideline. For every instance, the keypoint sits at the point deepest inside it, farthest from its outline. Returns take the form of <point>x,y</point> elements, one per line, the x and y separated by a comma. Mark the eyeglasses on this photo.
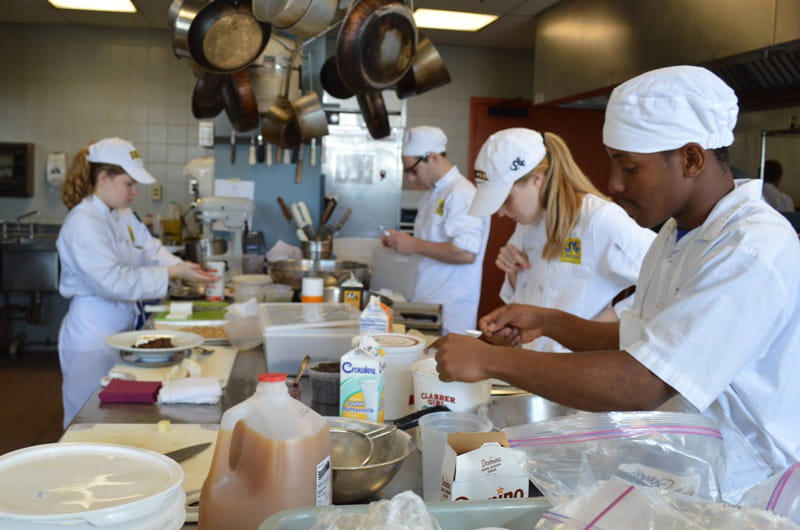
<point>413,168</point>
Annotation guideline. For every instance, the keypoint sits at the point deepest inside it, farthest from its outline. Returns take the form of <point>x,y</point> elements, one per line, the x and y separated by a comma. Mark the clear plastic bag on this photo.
<point>669,450</point>
<point>615,504</point>
<point>779,494</point>
<point>405,511</point>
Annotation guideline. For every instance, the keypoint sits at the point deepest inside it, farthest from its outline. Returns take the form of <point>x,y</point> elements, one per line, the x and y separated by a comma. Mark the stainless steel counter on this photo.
<point>241,385</point>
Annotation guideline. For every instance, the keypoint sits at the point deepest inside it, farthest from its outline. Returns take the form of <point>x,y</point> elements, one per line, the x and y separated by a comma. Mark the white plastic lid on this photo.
<point>93,482</point>
<point>312,287</point>
<point>258,279</point>
<point>399,343</point>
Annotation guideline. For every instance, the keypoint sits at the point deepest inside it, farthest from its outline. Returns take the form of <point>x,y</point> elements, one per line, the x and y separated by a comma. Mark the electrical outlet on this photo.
<point>155,191</point>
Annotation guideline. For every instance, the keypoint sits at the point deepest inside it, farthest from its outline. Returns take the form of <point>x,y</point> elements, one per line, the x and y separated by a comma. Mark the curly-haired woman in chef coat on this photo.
<point>109,261</point>
<point>572,248</point>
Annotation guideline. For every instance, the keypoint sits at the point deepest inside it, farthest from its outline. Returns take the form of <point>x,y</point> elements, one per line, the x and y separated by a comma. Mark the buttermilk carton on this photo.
<point>361,380</point>
<point>376,317</point>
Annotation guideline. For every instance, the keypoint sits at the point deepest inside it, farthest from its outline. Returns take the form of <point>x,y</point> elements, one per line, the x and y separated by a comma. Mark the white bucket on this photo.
<point>398,383</point>
<point>89,485</point>
<point>429,391</point>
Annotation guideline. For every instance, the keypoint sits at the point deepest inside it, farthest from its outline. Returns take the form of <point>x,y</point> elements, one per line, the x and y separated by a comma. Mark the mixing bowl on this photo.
<point>509,411</point>
<point>390,447</point>
<point>292,271</point>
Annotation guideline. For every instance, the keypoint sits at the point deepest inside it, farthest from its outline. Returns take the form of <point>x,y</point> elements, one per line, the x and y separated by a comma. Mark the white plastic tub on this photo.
<point>292,330</point>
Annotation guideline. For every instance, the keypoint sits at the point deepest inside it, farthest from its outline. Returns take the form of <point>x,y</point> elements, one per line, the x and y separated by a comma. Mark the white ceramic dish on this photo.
<point>181,341</point>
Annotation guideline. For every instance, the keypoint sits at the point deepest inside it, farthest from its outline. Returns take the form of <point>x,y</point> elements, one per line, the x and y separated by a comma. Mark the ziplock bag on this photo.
<point>615,504</point>
<point>669,450</point>
<point>779,494</point>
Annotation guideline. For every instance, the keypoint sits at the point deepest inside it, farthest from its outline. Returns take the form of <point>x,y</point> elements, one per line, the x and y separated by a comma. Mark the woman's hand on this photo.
<point>187,270</point>
<point>511,260</point>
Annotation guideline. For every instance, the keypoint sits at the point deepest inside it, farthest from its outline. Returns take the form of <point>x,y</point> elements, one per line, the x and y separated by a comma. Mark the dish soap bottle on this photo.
<point>273,453</point>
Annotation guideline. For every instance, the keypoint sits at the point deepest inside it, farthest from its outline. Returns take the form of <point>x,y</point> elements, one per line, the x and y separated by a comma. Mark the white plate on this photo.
<point>182,340</point>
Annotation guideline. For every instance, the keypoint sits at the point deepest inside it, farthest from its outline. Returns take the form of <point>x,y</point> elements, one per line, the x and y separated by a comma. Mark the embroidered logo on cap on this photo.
<point>135,154</point>
<point>516,164</point>
<point>481,175</point>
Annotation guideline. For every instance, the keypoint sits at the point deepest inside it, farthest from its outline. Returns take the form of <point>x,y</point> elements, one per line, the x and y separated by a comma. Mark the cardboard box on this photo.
<point>480,466</point>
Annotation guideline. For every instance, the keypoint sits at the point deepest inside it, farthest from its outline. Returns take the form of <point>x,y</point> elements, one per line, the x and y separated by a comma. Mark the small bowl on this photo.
<point>325,382</point>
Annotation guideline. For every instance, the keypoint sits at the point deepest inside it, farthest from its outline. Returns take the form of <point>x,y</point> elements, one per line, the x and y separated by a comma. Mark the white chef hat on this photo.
<point>504,158</point>
<point>667,108</point>
<point>121,153</point>
<point>419,141</point>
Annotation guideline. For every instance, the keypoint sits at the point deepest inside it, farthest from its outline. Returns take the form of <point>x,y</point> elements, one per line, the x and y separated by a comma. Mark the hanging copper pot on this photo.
<point>332,82</point>
<point>373,109</point>
<point>240,101</point>
<point>376,44</point>
<point>426,73</point>
<point>207,101</point>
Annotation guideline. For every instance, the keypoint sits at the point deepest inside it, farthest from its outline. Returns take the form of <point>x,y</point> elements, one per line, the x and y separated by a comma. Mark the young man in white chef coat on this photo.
<point>714,326</point>
<point>449,241</point>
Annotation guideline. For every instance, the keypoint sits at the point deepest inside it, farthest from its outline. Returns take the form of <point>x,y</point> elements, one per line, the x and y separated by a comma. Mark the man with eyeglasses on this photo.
<point>449,241</point>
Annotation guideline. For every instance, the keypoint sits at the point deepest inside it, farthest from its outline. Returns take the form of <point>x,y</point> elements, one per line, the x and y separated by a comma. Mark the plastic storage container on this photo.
<point>83,486</point>
<point>292,330</point>
<point>247,286</point>
<point>398,382</point>
<point>272,453</point>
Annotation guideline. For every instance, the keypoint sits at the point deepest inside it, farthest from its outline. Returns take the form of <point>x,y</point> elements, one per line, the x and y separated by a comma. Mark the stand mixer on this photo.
<point>232,213</point>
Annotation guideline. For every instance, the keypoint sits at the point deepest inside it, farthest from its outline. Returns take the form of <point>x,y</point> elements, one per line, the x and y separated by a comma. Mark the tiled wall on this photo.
<point>65,86</point>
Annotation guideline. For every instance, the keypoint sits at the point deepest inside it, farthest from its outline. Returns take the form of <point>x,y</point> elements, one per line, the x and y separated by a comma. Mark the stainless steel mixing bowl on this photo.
<point>390,447</point>
<point>292,271</point>
<point>509,411</point>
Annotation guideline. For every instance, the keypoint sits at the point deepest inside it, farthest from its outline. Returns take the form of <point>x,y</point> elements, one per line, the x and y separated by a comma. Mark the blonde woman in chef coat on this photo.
<point>572,248</point>
<point>109,261</point>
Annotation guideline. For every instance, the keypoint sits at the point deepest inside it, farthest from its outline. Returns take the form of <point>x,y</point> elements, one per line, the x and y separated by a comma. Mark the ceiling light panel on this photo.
<point>115,6</point>
<point>451,20</point>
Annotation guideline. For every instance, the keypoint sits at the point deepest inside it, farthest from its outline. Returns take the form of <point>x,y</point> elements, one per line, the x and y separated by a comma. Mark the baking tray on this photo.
<point>513,514</point>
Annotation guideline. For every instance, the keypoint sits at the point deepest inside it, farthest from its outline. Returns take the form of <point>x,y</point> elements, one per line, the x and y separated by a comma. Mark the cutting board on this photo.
<point>215,313</point>
<point>146,436</point>
<point>217,364</point>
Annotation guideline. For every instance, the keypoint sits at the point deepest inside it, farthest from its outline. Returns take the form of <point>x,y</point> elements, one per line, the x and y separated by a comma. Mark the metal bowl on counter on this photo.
<point>292,271</point>
<point>382,454</point>
<point>510,411</point>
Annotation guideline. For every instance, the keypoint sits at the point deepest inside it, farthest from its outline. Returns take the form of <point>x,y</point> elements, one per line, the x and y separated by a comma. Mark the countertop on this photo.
<point>241,385</point>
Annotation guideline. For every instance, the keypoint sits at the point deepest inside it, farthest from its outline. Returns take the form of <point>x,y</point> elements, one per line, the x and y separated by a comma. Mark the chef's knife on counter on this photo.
<point>179,455</point>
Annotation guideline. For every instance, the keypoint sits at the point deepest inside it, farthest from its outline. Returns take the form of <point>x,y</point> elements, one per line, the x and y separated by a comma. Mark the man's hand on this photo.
<point>400,241</point>
<point>461,358</point>
<point>186,270</point>
<point>525,321</point>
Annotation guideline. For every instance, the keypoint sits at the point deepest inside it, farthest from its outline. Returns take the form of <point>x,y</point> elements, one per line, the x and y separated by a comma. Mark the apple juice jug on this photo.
<point>273,453</point>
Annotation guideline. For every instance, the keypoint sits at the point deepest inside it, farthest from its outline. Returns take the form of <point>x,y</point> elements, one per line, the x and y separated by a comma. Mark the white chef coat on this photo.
<point>777,199</point>
<point>442,217</point>
<point>603,256</point>
<point>109,260</point>
<point>716,317</point>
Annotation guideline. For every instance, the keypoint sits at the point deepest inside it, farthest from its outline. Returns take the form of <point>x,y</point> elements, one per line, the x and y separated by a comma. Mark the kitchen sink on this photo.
<point>29,263</point>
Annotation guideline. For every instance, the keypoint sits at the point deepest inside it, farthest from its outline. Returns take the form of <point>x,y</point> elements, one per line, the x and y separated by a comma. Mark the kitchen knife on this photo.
<point>233,147</point>
<point>285,209</point>
<point>343,220</point>
<point>163,308</point>
<point>179,455</point>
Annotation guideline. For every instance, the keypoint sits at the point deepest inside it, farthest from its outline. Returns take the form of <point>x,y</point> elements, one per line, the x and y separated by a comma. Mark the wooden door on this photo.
<point>581,130</point>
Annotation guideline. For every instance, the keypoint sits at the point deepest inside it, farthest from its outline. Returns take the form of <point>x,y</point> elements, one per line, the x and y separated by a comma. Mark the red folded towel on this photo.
<point>125,391</point>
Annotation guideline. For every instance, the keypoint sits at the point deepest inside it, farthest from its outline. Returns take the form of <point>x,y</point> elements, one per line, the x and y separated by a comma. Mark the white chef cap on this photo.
<point>667,108</point>
<point>505,157</point>
<point>121,153</point>
<point>419,141</point>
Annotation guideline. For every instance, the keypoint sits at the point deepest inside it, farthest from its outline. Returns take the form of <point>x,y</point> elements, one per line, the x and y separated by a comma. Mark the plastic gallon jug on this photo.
<point>272,453</point>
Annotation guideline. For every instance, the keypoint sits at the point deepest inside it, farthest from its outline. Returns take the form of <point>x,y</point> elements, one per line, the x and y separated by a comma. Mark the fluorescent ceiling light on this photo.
<point>452,20</point>
<point>117,6</point>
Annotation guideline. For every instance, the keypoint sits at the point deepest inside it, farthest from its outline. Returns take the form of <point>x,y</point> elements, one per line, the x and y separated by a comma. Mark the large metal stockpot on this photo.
<point>292,271</point>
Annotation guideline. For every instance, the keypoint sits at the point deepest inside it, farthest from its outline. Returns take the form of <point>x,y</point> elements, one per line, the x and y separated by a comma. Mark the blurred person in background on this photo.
<point>572,248</point>
<point>449,241</point>
<point>713,328</point>
<point>109,261</point>
<point>773,174</point>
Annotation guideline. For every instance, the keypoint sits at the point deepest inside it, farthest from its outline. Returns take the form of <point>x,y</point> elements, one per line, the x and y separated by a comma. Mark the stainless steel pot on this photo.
<point>509,411</point>
<point>280,13</point>
<point>291,272</point>
<point>310,116</point>
<point>318,16</point>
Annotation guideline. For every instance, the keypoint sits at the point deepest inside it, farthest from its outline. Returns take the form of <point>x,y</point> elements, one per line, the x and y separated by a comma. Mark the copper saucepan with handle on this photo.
<point>331,80</point>
<point>240,101</point>
<point>376,44</point>
<point>310,116</point>
<point>373,109</point>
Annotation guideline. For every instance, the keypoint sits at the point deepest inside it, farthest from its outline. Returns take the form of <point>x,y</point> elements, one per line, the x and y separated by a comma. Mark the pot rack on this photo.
<point>792,132</point>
